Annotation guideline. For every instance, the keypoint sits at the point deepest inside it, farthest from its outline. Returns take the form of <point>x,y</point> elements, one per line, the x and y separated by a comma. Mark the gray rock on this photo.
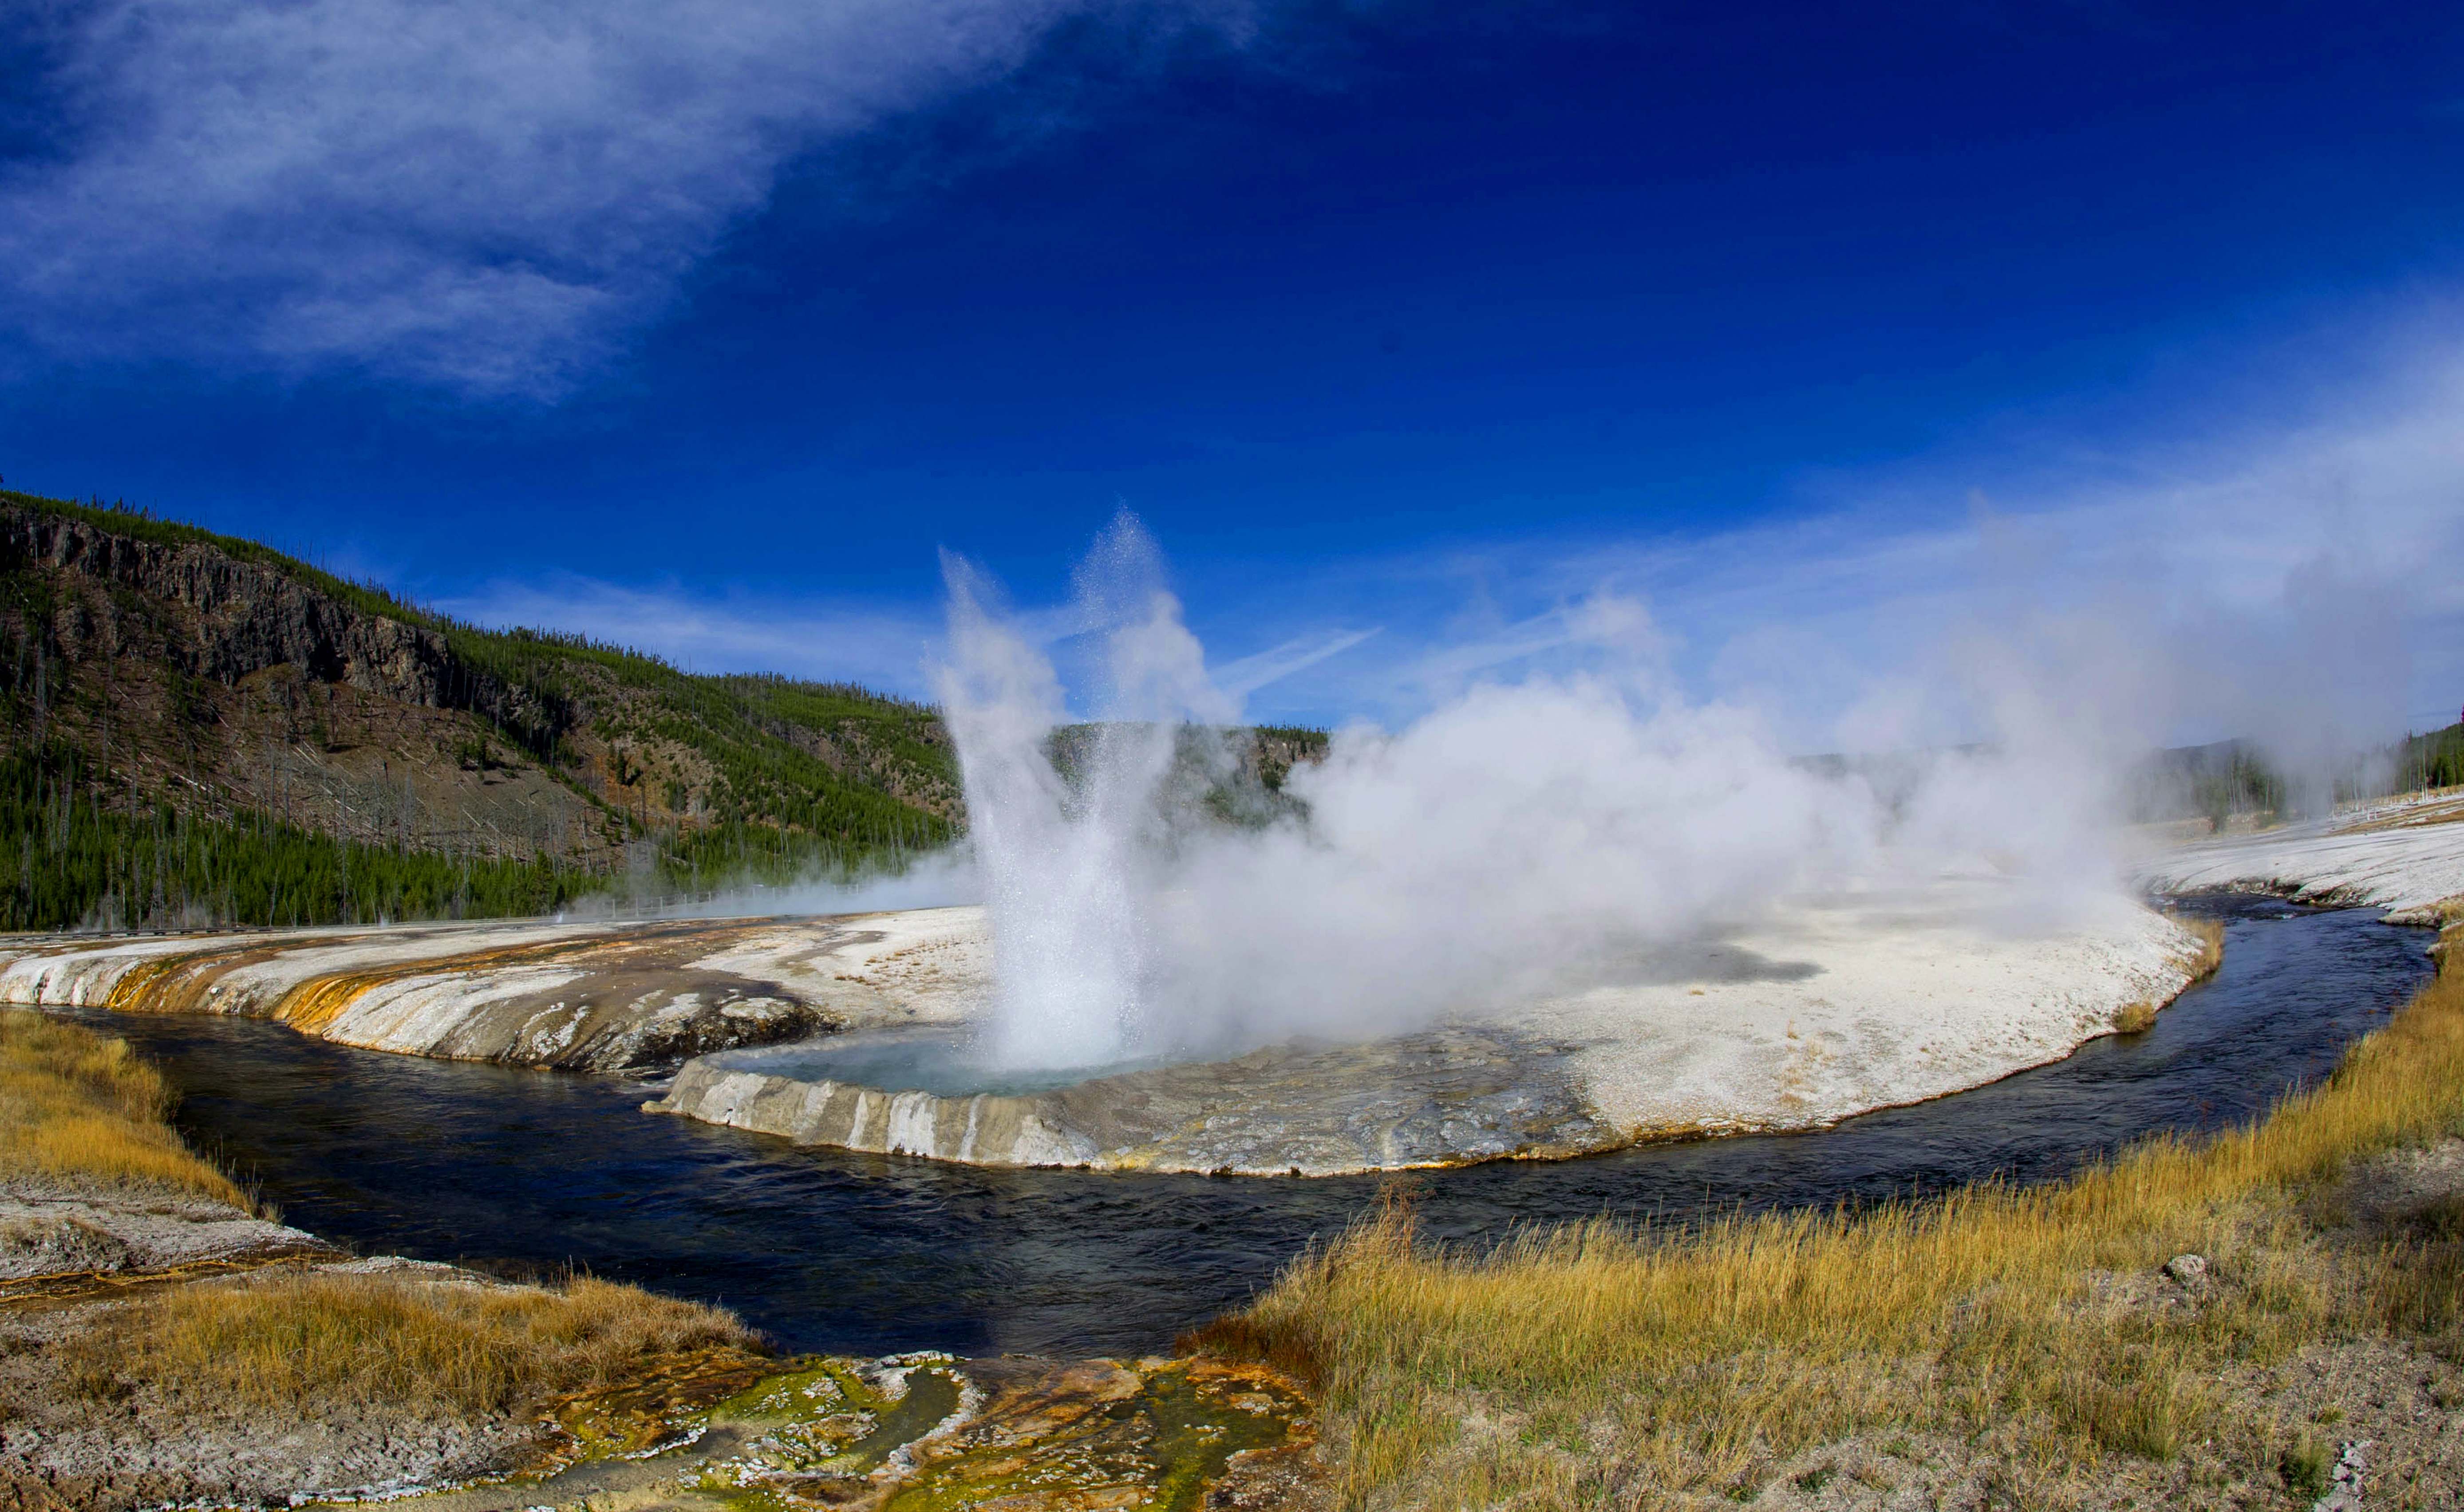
<point>52,1227</point>
<point>2189,1271</point>
<point>2346,1494</point>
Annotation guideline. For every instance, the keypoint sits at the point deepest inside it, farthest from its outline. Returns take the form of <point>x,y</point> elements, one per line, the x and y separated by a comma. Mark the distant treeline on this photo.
<point>2234,778</point>
<point>2432,760</point>
<point>70,860</point>
<point>710,858</point>
<point>2214,782</point>
<point>78,852</point>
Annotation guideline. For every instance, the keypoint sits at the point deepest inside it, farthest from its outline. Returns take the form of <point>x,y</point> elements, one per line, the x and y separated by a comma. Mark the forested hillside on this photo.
<point>200,729</point>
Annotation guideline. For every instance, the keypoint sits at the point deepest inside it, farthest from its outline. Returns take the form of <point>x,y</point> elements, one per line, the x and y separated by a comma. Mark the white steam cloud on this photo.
<point>1521,838</point>
<point>482,193</point>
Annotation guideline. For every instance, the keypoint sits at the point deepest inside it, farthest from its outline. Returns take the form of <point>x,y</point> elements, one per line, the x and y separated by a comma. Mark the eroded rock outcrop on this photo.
<point>242,617</point>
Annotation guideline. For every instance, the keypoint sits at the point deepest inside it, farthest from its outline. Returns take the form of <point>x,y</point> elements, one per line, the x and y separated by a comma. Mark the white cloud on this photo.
<point>882,646</point>
<point>2285,581</point>
<point>481,193</point>
<point>1246,674</point>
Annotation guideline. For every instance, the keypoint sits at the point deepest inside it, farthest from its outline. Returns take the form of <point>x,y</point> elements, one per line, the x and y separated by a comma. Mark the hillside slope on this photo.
<point>200,729</point>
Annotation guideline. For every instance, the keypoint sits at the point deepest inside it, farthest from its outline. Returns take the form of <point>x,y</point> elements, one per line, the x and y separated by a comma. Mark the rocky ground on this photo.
<point>73,1432</point>
<point>927,1431</point>
<point>61,1228</point>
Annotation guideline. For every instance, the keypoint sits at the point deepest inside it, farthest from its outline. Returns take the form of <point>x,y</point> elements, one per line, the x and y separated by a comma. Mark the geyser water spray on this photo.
<point>1066,856</point>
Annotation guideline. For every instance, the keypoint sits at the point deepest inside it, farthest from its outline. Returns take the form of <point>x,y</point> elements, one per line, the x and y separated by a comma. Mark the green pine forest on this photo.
<point>73,857</point>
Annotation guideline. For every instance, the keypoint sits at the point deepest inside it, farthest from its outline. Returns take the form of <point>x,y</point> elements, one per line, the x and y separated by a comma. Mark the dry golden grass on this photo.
<point>2135,1018</point>
<point>1594,1365</point>
<point>74,1102</point>
<point>322,1341</point>
<point>2208,953</point>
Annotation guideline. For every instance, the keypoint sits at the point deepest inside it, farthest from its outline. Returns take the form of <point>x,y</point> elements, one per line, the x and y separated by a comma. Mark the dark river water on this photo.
<point>527,1170</point>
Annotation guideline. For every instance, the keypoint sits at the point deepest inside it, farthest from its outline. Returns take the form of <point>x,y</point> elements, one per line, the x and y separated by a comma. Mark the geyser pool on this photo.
<point>946,1061</point>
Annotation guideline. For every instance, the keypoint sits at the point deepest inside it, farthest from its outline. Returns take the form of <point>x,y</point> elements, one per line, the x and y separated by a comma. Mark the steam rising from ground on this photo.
<point>1523,837</point>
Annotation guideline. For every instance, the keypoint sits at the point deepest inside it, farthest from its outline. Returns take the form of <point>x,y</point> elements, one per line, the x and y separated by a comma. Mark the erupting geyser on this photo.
<point>1061,856</point>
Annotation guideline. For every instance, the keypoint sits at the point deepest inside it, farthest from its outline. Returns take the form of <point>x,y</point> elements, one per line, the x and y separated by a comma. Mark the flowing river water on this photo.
<point>518,1171</point>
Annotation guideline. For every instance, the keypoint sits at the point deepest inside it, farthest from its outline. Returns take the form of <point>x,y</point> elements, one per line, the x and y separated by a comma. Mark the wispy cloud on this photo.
<point>1245,675</point>
<point>481,193</point>
<point>883,647</point>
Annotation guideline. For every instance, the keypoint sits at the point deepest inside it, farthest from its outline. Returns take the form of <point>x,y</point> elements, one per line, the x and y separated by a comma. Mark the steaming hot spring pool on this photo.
<point>865,1253</point>
<point>941,1059</point>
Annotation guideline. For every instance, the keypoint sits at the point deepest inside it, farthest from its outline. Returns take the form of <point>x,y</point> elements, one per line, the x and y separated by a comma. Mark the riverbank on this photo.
<point>2403,856</point>
<point>1830,1007</point>
<point>2207,1323</point>
<point>589,995</point>
<point>164,1343</point>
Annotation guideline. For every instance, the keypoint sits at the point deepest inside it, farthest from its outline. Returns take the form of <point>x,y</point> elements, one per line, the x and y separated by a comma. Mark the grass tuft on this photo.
<point>2308,1467</point>
<point>328,1341</point>
<point>76,1103</point>
<point>2207,950</point>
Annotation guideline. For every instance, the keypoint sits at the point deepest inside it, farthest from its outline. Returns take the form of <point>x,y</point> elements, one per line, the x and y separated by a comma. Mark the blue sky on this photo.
<point>1409,330</point>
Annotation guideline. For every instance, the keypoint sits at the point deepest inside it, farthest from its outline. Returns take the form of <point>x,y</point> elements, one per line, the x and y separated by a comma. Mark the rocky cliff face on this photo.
<point>234,618</point>
<point>185,674</point>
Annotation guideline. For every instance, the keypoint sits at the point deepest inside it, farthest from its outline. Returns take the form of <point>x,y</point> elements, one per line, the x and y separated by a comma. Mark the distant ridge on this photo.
<point>201,729</point>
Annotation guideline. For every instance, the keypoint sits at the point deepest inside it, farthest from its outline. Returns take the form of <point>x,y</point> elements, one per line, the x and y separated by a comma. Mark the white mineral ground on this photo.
<point>1842,1005</point>
<point>596,996</point>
